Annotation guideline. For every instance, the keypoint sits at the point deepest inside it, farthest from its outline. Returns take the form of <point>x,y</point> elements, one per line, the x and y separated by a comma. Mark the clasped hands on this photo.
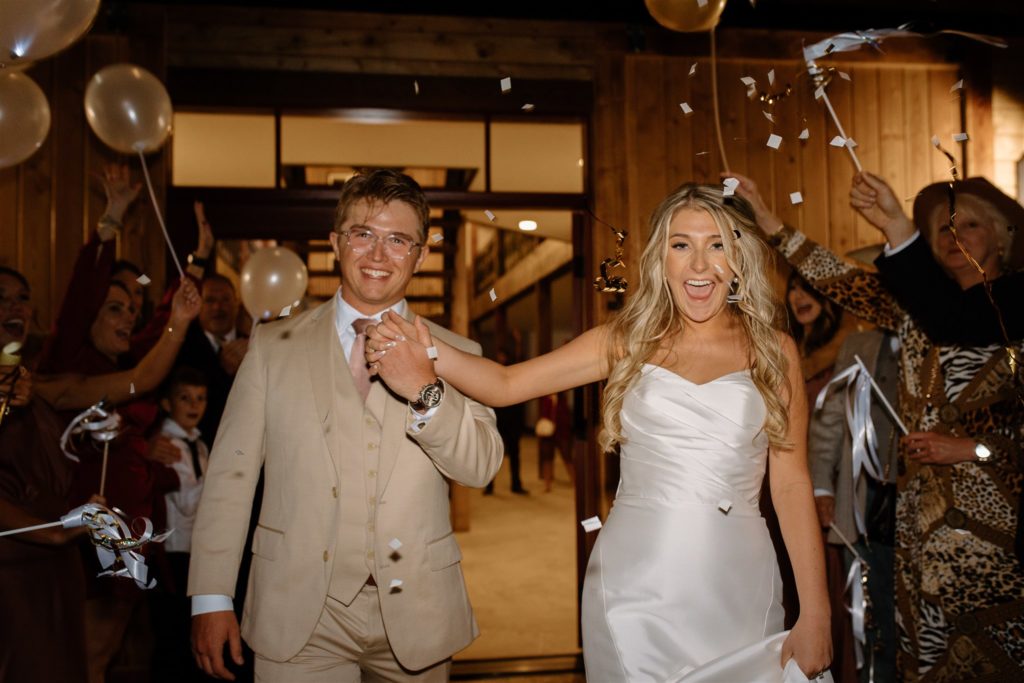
<point>396,351</point>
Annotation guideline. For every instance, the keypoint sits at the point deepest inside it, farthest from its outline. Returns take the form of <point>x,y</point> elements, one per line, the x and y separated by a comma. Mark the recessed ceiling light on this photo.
<point>527,225</point>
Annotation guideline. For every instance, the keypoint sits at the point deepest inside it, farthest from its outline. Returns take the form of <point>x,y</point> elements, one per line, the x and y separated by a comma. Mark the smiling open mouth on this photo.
<point>375,274</point>
<point>15,327</point>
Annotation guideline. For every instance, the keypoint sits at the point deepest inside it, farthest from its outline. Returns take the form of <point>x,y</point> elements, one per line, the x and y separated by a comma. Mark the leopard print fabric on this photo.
<point>959,590</point>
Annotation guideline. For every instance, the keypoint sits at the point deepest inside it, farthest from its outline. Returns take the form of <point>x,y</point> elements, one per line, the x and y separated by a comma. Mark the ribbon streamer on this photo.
<point>116,546</point>
<point>860,602</point>
<point>613,284</point>
<point>98,421</point>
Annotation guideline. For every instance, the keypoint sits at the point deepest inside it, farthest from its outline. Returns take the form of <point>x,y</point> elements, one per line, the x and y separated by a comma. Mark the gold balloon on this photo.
<point>273,278</point>
<point>24,118</point>
<point>686,15</point>
<point>128,108</point>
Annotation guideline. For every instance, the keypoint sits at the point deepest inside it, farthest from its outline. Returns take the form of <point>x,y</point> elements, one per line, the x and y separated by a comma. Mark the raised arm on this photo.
<point>810,641</point>
<point>581,361</point>
<point>74,391</point>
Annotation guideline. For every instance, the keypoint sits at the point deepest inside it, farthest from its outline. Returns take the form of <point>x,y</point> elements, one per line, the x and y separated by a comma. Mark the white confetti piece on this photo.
<point>686,108</point>
<point>416,87</point>
<point>771,77</point>
<point>748,81</point>
<point>935,141</point>
<point>796,198</point>
<point>702,3</point>
<point>490,215</point>
<point>768,116</point>
<point>838,141</point>
<point>700,154</point>
<point>436,237</point>
<point>394,544</point>
<point>493,294</point>
<point>693,69</point>
<point>725,505</point>
<point>718,269</point>
<point>527,107</point>
<point>960,137</point>
<point>819,92</point>
<point>286,311</point>
<point>143,280</point>
<point>804,134</point>
<point>395,583</point>
<point>843,75</point>
<point>131,388</point>
<point>774,141</point>
<point>591,524</point>
<point>729,186</point>
<point>851,143</point>
<point>957,86</point>
<point>506,84</point>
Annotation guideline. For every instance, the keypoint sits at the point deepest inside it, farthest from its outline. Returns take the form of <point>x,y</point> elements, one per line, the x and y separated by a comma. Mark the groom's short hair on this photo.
<point>382,185</point>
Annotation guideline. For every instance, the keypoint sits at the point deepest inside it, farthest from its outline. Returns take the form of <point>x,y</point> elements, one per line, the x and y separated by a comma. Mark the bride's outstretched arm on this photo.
<point>396,347</point>
<point>810,642</point>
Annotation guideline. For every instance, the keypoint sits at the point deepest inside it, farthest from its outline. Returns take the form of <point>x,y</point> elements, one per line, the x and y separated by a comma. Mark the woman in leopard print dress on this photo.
<point>959,589</point>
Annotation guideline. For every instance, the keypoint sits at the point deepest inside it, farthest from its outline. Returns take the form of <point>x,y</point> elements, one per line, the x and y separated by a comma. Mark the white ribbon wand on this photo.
<point>116,546</point>
<point>100,423</point>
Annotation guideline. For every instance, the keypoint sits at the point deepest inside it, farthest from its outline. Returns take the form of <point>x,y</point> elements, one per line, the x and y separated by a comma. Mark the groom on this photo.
<point>355,568</point>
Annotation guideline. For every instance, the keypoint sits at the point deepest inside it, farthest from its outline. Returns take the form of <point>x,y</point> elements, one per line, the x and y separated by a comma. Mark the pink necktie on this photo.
<point>357,359</point>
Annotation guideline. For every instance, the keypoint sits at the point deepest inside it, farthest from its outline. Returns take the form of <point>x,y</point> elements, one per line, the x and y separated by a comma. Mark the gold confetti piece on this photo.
<point>143,280</point>
<point>493,295</point>
<point>960,137</point>
<point>804,134</point>
<point>506,84</point>
<point>591,524</point>
<point>796,198</point>
<point>771,77</point>
<point>774,141</point>
<point>490,215</point>
<point>838,141</point>
<point>768,116</point>
<point>957,86</point>
<point>693,69</point>
<point>394,544</point>
<point>686,108</point>
<point>527,107</point>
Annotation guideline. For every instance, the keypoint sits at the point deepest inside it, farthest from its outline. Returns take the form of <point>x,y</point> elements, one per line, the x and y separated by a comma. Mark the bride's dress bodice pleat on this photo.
<point>683,583</point>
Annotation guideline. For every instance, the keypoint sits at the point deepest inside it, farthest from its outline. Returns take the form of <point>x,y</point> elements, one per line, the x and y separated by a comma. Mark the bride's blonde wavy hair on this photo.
<point>651,316</point>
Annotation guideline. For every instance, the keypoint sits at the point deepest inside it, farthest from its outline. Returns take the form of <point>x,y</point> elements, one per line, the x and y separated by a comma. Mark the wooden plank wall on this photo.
<point>890,109</point>
<point>50,203</point>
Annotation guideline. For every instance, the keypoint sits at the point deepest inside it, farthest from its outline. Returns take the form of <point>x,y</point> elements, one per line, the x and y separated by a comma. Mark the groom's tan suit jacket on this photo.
<point>350,492</point>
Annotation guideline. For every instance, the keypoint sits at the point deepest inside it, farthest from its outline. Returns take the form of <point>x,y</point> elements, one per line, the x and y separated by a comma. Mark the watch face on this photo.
<point>430,395</point>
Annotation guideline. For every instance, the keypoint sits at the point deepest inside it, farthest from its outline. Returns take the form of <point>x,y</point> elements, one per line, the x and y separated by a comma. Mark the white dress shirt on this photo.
<point>182,504</point>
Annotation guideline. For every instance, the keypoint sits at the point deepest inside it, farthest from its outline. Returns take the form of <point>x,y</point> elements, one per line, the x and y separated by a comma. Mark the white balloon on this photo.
<point>31,30</point>
<point>24,118</point>
<point>128,108</point>
<point>272,278</point>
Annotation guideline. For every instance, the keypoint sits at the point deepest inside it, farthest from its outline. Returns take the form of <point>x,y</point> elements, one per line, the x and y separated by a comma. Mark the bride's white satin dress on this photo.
<point>683,584</point>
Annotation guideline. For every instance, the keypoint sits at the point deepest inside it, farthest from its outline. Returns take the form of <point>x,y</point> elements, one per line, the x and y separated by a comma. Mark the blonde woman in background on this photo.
<point>683,583</point>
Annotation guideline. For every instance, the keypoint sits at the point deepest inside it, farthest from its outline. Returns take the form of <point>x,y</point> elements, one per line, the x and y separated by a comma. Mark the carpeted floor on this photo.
<point>519,558</point>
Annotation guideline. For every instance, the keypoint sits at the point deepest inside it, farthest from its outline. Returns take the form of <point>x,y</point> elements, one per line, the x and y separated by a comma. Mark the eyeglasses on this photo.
<point>396,245</point>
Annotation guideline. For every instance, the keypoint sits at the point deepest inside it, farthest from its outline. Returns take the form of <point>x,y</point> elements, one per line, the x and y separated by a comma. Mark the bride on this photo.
<point>702,389</point>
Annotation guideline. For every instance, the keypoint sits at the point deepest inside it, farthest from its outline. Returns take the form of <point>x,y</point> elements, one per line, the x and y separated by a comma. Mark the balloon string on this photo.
<point>714,101</point>
<point>159,216</point>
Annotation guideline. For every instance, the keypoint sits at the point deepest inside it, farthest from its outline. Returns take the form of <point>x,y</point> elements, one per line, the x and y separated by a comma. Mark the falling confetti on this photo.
<point>493,295</point>
<point>702,3</point>
<point>693,69</point>
<point>416,87</point>
<point>686,108</point>
<point>838,141</point>
<point>591,524</point>
<point>395,583</point>
<point>490,215</point>
<point>394,544</point>
<point>774,141</point>
<point>143,280</point>
<point>725,505</point>
<point>796,198</point>
<point>436,237</point>
<point>286,311</point>
<point>729,187</point>
<point>771,77</point>
<point>843,75</point>
<point>700,154</point>
<point>748,81</point>
<point>527,107</point>
<point>960,137</point>
<point>819,92</point>
<point>506,84</point>
<point>935,141</point>
<point>131,388</point>
<point>851,143</point>
<point>768,116</point>
<point>957,86</point>
<point>804,134</point>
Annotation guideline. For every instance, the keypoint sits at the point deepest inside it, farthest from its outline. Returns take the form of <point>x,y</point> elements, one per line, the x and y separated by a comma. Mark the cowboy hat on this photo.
<point>938,194</point>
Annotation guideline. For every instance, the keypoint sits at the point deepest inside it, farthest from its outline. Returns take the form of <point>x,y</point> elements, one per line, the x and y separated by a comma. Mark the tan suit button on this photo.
<point>373,500</point>
<point>369,555</point>
<point>371,446</point>
<point>372,473</point>
<point>325,556</point>
<point>334,491</point>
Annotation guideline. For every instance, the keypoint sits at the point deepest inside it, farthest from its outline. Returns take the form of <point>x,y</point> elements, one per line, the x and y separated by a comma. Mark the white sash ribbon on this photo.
<point>116,546</point>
